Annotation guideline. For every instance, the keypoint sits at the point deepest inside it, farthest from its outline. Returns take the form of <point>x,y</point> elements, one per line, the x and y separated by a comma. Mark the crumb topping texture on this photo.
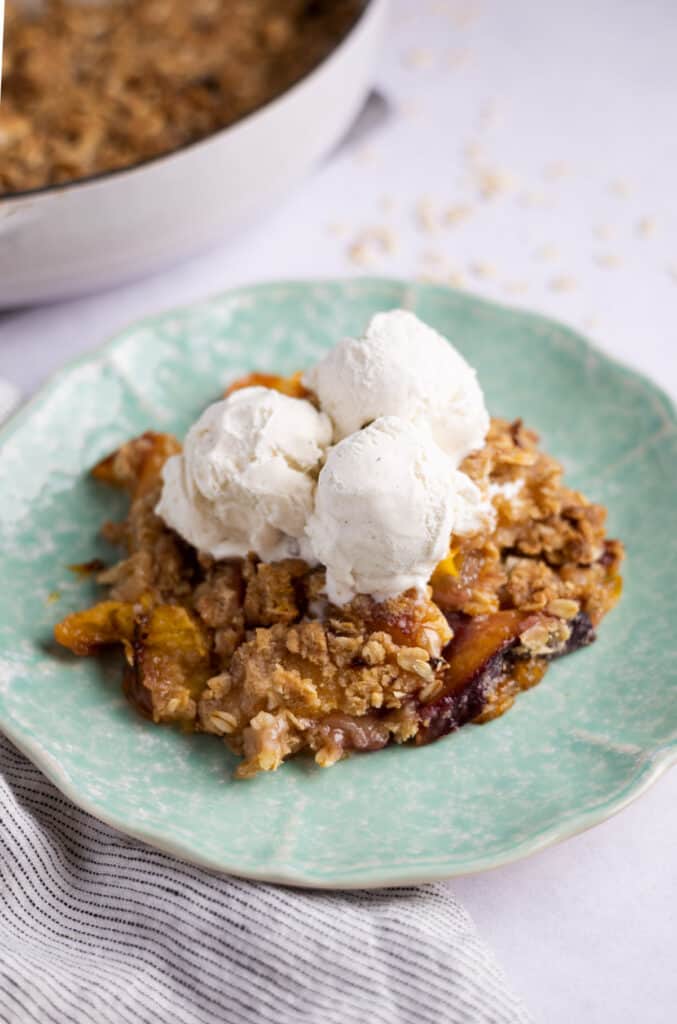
<point>252,651</point>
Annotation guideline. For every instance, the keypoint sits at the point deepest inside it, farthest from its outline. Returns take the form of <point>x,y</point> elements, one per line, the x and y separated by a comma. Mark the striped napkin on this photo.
<point>98,928</point>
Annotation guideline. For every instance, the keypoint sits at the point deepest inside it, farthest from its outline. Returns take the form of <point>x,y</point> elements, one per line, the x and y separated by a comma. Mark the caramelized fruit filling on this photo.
<point>254,653</point>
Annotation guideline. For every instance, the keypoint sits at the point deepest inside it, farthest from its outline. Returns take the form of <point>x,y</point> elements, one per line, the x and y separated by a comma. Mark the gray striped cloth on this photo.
<point>98,928</point>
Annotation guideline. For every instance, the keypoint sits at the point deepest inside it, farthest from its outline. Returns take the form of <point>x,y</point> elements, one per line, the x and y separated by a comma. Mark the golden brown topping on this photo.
<point>410,619</point>
<point>273,591</point>
<point>94,87</point>
<point>218,599</point>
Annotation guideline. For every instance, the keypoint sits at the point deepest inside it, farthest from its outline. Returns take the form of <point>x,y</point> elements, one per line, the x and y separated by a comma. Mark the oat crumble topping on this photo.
<point>253,652</point>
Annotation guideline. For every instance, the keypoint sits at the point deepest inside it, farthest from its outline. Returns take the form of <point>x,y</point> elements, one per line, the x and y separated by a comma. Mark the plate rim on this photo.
<point>658,762</point>
<point>652,765</point>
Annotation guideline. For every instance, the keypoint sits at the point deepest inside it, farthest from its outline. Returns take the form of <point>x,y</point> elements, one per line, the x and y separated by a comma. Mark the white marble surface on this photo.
<point>567,112</point>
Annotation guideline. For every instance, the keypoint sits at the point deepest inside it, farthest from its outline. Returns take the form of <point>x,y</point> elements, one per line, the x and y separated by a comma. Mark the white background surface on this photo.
<point>570,108</point>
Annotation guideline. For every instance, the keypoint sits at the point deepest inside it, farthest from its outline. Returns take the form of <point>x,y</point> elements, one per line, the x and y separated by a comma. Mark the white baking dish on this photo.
<point>77,237</point>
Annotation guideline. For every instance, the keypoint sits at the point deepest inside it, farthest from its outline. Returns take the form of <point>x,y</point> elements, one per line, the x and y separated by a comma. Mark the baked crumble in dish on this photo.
<point>89,88</point>
<point>255,650</point>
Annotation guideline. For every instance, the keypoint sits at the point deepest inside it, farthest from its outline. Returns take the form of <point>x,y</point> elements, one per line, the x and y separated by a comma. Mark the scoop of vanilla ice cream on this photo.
<point>387,501</point>
<point>247,476</point>
<point>402,367</point>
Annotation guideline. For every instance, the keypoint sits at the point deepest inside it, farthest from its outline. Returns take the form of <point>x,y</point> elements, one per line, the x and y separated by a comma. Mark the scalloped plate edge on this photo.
<point>654,765</point>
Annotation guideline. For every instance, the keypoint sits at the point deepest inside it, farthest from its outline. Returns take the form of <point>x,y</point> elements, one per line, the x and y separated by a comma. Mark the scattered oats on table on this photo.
<point>646,227</point>
<point>547,252</point>
<point>604,232</point>
<point>620,187</point>
<point>556,170</point>
<point>457,213</point>
<point>426,215</point>
<point>494,181</point>
<point>563,283</point>
<point>371,244</point>
<point>483,269</point>
<point>609,260</point>
<point>420,58</point>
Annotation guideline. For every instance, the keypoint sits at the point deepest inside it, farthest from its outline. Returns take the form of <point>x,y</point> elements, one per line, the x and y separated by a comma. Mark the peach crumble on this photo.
<point>260,651</point>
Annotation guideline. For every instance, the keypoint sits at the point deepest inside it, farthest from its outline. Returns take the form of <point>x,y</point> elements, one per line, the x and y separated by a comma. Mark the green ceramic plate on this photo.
<point>573,751</point>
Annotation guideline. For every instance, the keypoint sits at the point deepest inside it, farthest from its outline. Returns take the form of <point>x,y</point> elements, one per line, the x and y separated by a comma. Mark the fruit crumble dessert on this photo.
<point>353,556</point>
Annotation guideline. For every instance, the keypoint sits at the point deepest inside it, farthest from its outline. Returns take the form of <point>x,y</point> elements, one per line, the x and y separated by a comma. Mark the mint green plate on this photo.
<point>590,738</point>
